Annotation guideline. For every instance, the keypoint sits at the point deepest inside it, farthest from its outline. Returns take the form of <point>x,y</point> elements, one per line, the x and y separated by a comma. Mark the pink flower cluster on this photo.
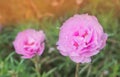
<point>81,37</point>
<point>29,43</point>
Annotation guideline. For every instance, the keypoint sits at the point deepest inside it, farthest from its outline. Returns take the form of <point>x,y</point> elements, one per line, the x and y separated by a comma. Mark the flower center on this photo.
<point>85,34</point>
<point>79,39</point>
<point>76,33</point>
<point>76,45</point>
<point>29,45</point>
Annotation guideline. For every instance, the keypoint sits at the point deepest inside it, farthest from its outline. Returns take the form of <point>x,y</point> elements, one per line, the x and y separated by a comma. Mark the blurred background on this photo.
<point>17,10</point>
<point>48,15</point>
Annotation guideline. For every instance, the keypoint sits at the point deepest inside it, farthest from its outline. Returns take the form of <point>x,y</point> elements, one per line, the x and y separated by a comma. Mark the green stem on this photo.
<point>77,70</point>
<point>36,63</point>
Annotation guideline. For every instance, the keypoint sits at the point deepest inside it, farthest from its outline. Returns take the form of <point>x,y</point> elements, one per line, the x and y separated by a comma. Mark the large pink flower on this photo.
<point>81,37</point>
<point>29,43</point>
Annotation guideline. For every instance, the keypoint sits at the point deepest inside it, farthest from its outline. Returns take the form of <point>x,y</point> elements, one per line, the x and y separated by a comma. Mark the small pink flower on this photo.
<point>81,37</point>
<point>29,43</point>
<point>0,28</point>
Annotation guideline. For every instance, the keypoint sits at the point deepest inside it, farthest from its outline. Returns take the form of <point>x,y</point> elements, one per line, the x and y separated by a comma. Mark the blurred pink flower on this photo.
<point>0,28</point>
<point>29,43</point>
<point>81,37</point>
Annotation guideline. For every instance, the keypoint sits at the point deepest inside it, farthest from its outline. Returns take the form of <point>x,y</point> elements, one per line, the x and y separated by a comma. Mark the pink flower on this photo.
<point>0,28</point>
<point>81,37</point>
<point>29,43</point>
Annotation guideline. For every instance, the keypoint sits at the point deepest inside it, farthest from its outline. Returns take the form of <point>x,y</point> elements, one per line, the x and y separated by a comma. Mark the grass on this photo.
<point>105,64</point>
